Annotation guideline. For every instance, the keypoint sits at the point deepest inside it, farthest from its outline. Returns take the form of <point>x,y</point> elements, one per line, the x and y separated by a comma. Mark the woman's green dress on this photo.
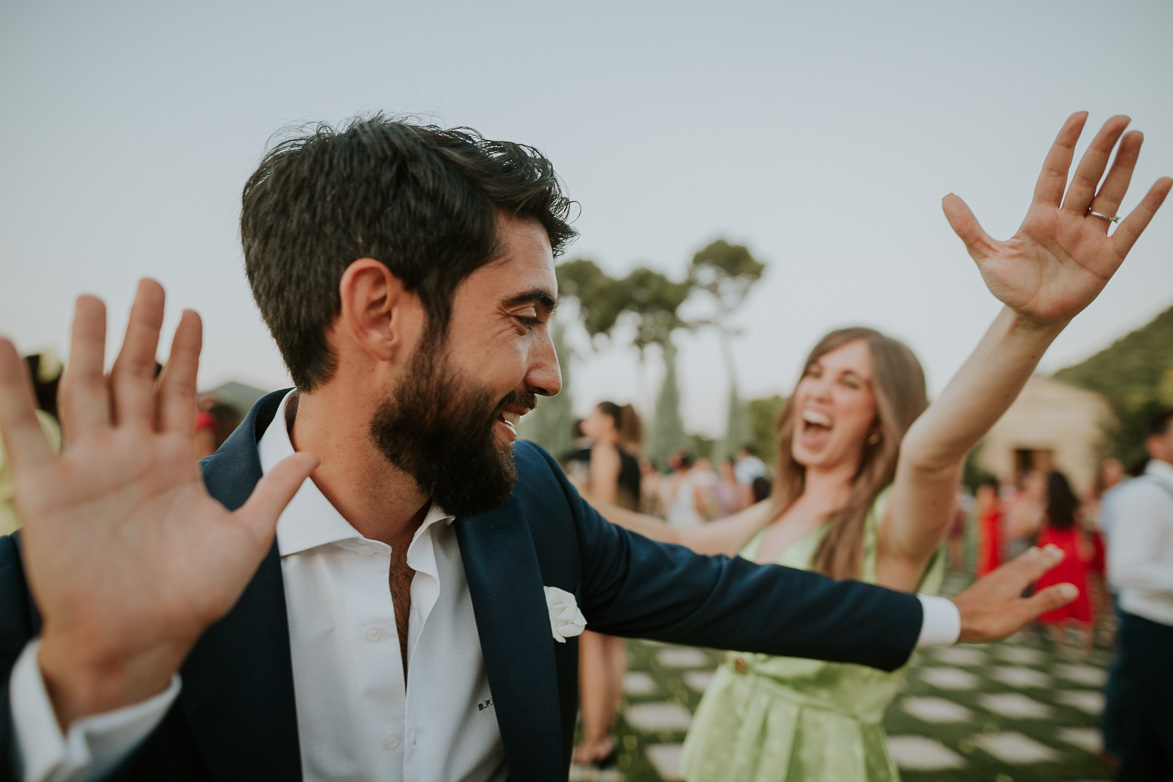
<point>769,719</point>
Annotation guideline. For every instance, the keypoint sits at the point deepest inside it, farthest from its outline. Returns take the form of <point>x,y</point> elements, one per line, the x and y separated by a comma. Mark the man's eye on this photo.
<point>529,322</point>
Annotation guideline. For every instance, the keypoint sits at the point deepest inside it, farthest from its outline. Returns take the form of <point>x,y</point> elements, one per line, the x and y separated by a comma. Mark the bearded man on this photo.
<point>410,612</point>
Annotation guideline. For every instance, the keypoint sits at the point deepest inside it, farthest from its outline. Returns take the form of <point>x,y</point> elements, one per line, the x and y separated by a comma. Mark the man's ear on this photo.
<point>377,310</point>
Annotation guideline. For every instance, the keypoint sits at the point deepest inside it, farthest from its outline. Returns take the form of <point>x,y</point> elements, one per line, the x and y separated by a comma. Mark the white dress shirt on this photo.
<point>356,720</point>
<point>1140,547</point>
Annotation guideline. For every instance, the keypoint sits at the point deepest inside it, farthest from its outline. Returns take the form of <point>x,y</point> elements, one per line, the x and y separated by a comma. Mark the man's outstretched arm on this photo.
<point>634,587</point>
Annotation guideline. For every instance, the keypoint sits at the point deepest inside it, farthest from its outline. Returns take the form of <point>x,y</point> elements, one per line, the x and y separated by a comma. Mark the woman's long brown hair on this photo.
<point>898,383</point>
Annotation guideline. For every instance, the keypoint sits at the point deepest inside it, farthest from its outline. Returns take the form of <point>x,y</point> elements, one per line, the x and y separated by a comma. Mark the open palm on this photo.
<point>128,557</point>
<point>1062,255</point>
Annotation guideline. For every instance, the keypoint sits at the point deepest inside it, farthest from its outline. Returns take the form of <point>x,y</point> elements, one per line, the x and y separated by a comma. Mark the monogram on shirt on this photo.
<point>484,704</point>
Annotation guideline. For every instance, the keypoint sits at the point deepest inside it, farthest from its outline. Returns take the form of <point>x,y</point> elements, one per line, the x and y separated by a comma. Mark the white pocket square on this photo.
<point>566,621</point>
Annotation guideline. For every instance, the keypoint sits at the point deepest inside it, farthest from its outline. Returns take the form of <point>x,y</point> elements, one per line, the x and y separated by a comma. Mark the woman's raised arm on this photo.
<point>1055,265</point>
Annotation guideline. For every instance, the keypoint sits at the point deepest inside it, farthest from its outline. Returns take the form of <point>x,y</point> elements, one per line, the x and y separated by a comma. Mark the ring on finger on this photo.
<point>1103,216</point>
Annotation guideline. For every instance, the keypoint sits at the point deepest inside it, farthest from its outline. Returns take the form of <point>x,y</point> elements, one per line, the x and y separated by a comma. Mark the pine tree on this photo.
<point>667,431</point>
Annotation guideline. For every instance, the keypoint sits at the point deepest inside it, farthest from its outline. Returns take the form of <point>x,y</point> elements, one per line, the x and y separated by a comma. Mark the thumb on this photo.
<point>965,225</point>
<point>273,493</point>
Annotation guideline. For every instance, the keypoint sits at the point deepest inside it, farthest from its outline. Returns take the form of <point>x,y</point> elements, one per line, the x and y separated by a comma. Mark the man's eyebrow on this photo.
<point>540,296</point>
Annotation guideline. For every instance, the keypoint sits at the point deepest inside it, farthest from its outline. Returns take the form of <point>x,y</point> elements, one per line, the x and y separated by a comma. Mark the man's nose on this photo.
<point>545,375</point>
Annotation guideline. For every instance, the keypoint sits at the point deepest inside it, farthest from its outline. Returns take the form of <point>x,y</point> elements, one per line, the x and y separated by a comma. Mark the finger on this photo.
<point>1035,562</point>
<point>1107,201</point>
<point>1091,166</point>
<point>1048,599</point>
<point>177,383</point>
<point>132,380</point>
<point>83,398</point>
<point>966,226</point>
<point>24,440</point>
<point>1138,219</point>
<point>273,493</point>
<point>1053,178</point>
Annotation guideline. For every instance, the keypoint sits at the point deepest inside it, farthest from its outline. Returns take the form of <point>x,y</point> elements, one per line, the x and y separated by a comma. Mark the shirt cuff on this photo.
<point>93,745</point>
<point>942,622</point>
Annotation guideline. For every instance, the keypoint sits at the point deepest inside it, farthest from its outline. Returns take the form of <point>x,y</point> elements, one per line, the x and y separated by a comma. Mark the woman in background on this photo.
<point>613,477</point>
<point>1025,513</point>
<point>1062,528</point>
<point>990,520</point>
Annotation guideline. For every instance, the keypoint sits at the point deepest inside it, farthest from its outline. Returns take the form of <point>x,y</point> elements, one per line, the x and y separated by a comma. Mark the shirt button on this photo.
<point>392,741</point>
<point>366,549</point>
<point>374,633</point>
<point>739,665</point>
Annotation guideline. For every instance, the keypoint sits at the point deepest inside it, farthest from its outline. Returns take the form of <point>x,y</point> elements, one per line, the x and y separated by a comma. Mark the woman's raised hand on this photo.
<point>1062,255</point>
<point>128,557</point>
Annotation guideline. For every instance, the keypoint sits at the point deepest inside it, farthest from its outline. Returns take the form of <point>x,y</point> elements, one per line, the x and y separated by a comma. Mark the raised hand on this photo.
<point>128,557</point>
<point>1062,255</point>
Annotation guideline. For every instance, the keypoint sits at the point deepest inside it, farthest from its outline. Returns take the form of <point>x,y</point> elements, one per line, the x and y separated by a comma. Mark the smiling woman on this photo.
<point>839,439</point>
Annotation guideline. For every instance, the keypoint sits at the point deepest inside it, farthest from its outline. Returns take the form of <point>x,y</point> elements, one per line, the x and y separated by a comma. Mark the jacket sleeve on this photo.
<point>635,587</point>
<point>18,624</point>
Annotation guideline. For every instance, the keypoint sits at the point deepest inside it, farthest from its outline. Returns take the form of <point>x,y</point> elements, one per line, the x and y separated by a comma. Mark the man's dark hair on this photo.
<point>1159,424</point>
<point>420,199</point>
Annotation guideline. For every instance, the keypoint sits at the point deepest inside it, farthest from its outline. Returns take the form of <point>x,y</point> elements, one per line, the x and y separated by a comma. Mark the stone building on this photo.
<point>1052,425</point>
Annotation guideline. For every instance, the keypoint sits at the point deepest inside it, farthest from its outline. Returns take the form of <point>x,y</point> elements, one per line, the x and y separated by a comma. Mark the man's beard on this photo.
<point>439,428</point>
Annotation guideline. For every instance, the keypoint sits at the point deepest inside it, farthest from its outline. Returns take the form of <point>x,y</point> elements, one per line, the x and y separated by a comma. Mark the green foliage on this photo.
<point>1136,375</point>
<point>1137,362</point>
<point>653,300</point>
<point>737,431</point>
<point>650,301</point>
<point>667,430</point>
<point>762,414</point>
<point>1127,433</point>
<point>701,447</point>
<point>726,271</point>
<point>601,301</point>
<point>645,296</point>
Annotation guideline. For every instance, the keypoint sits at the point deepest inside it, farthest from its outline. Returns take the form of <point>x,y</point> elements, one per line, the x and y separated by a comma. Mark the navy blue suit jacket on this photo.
<point>235,717</point>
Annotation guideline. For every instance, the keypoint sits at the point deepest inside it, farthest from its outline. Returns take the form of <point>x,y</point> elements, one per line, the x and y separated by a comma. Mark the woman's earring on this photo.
<point>874,439</point>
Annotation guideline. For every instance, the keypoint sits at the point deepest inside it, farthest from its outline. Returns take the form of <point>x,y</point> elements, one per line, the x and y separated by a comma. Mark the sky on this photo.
<point>821,135</point>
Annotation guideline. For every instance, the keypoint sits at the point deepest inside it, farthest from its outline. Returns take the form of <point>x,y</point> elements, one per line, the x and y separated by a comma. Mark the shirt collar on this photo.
<point>1160,470</point>
<point>309,520</point>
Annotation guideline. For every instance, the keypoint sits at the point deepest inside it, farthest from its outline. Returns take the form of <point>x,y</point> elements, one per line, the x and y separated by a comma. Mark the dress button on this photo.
<point>374,633</point>
<point>392,741</point>
<point>739,666</point>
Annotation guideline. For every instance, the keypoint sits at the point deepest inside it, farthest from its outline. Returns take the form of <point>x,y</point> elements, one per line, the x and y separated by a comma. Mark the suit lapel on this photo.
<point>513,623</point>
<point>238,681</point>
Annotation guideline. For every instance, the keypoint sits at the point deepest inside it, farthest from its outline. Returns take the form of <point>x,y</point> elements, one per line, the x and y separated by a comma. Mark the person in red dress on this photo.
<point>1061,528</point>
<point>990,518</point>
